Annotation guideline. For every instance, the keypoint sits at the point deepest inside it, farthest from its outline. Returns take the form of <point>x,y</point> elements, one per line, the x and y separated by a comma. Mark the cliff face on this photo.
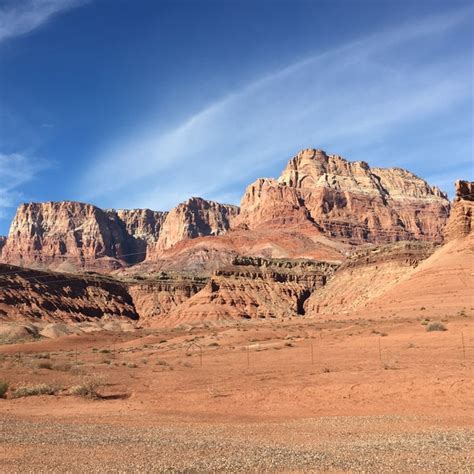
<point>3,241</point>
<point>70,235</point>
<point>64,233</point>
<point>254,288</point>
<point>194,218</point>
<point>320,206</point>
<point>347,201</point>
<point>460,222</point>
<point>155,298</point>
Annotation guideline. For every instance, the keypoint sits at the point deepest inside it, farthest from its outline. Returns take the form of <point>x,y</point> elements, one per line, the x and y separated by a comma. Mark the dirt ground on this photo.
<point>354,395</point>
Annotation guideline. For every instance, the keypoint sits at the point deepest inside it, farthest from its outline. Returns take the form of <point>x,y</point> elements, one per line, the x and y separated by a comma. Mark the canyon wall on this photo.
<point>254,288</point>
<point>348,201</point>
<point>194,218</point>
<point>71,235</point>
<point>155,297</point>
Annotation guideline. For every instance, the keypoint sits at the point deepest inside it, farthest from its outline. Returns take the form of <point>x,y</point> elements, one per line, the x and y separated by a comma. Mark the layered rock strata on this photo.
<point>365,275</point>
<point>348,201</point>
<point>254,288</point>
<point>70,235</point>
<point>460,221</point>
<point>155,297</point>
<point>51,296</point>
<point>194,218</point>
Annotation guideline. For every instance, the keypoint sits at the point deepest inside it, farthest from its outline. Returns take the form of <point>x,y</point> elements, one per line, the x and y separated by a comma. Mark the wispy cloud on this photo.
<point>15,170</point>
<point>353,96</point>
<point>19,17</point>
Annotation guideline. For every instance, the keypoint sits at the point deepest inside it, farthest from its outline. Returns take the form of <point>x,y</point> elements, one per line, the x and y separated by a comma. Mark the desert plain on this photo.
<point>326,325</point>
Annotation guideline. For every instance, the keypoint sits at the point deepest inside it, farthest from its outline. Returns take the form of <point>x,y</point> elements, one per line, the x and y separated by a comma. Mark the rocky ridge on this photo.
<point>51,296</point>
<point>254,288</point>
<point>71,235</point>
<point>365,275</point>
<point>194,218</point>
<point>348,201</point>
<point>460,222</point>
<point>277,256</point>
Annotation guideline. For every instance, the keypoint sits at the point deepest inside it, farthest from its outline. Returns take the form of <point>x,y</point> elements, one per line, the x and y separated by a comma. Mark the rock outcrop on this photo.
<point>155,297</point>
<point>460,221</point>
<point>439,287</point>
<point>194,218</point>
<point>254,288</point>
<point>364,276</point>
<point>348,201</point>
<point>72,235</point>
<point>3,241</point>
<point>63,234</point>
<point>50,296</point>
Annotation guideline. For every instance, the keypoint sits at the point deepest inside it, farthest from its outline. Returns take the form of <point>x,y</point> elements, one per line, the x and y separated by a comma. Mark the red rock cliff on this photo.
<point>347,200</point>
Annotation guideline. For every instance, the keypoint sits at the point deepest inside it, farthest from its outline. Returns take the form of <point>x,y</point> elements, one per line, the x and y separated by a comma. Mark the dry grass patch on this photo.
<point>34,390</point>
<point>88,387</point>
<point>436,327</point>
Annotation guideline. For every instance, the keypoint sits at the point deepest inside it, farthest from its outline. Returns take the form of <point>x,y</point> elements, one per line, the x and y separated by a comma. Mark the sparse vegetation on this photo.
<point>33,390</point>
<point>88,387</point>
<point>3,388</point>
<point>44,365</point>
<point>42,355</point>
<point>436,327</point>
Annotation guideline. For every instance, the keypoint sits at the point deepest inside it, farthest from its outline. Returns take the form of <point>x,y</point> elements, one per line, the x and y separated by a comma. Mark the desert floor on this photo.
<point>353,395</point>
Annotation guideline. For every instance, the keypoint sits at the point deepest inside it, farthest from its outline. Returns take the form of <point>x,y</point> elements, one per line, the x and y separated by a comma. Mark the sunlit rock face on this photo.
<point>348,201</point>
<point>461,221</point>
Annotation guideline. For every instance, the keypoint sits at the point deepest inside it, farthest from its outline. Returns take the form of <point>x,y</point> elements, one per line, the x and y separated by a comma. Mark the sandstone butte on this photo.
<point>329,236</point>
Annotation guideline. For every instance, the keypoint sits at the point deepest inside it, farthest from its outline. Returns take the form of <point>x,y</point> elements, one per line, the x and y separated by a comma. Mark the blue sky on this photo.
<point>144,103</point>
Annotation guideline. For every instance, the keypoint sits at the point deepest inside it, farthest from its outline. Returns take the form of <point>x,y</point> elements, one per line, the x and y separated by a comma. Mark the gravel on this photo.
<point>326,444</point>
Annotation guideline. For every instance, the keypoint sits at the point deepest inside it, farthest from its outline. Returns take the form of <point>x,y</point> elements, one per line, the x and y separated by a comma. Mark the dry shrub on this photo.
<point>44,365</point>
<point>88,387</point>
<point>3,388</point>
<point>33,390</point>
<point>436,327</point>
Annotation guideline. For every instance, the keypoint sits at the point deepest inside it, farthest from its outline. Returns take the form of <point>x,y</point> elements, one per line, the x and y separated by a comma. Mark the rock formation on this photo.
<point>408,278</point>
<point>155,297</point>
<point>59,234</point>
<point>3,241</point>
<point>347,201</point>
<point>460,221</point>
<point>195,218</point>
<point>50,296</point>
<point>365,275</point>
<point>254,288</point>
<point>70,235</point>
<point>329,237</point>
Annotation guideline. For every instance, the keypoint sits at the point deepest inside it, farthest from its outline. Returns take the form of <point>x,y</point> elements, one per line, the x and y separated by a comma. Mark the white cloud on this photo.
<point>19,17</point>
<point>15,170</point>
<point>355,94</point>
